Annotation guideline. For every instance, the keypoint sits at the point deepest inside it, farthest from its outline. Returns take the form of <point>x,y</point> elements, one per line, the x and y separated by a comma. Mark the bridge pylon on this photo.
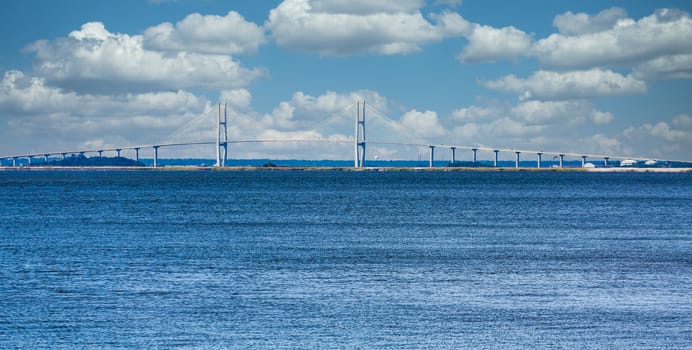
<point>359,137</point>
<point>222,136</point>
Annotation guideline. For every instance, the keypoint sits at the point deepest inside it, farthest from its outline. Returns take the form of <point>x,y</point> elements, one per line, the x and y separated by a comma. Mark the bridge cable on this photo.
<point>185,127</point>
<point>330,119</point>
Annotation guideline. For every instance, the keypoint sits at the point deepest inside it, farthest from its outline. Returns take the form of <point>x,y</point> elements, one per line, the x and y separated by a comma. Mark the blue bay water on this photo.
<point>301,259</point>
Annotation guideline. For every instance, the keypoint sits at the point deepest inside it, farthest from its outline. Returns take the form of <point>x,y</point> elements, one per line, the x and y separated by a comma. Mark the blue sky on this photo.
<point>592,77</point>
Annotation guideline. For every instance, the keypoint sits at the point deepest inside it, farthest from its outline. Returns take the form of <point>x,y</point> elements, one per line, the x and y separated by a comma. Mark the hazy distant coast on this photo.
<point>314,168</point>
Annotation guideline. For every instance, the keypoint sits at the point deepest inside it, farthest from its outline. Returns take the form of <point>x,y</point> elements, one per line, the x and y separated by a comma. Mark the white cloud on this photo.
<point>40,115</point>
<point>332,102</point>
<point>627,43</point>
<point>488,44</point>
<point>547,85</point>
<point>364,7</point>
<point>94,59</point>
<point>662,139</point>
<point>559,112</point>
<point>600,118</point>
<point>329,111</point>
<point>679,130</point>
<point>331,116</point>
<point>547,125</point>
<point>230,34</point>
<point>22,95</point>
<point>501,132</point>
<point>339,27</point>
<point>666,67</point>
<point>602,144</point>
<point>362,27</point>
<point>421,125</point>
<point>682,122</point>
<point>45,118</point>
<point>581,23</point>
<point>237,98</point>
<point>476,114</point>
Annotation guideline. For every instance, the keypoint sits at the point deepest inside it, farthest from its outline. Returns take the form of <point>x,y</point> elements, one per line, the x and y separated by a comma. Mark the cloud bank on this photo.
<point>94,59</point>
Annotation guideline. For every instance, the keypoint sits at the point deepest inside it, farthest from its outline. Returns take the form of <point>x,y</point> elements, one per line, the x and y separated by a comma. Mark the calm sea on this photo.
<point>300,259</point>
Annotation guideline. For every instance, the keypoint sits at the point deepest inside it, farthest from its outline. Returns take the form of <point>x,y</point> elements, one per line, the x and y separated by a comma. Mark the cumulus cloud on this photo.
<point>680,129</point>
<point>421,125</point>
<point>94,59</point>
<point>548,125</point>
<point>666,67</point>
<point>237,98</point>
<point>363,7</point>
<point>626,43</point>
<point>488,44</point>
<point>43,114</point>
<point>230,35</point>
<point>45,118</point>
<point>331,111</point>
<point>600,118</point>
<point>78,121</point>
<point>338,27</point>
<point>560,112</point>
<point>661,139</point>
<point>603,144</point>
<point>330,116</point>
<point>501,132</point>
<point>581,23</point>
<point>476,113</point>
<point>332,102</point>
<point>547,85</point>
<point>24,95</point>
<point>334,27</point>
<point>655,47</point>
<point>567,126</point>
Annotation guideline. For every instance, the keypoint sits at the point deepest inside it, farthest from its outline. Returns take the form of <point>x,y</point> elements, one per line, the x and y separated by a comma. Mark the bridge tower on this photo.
<point>359,139</point>
<point>221,137</point>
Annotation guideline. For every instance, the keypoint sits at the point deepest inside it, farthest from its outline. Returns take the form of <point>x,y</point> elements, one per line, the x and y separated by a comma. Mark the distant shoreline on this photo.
<point>314,168</point>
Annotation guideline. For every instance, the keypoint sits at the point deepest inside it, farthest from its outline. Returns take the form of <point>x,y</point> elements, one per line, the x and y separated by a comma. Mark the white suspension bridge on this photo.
<point>358,140</point>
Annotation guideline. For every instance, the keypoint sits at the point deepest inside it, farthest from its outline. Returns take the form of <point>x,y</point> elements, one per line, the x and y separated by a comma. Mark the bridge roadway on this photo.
<point>431,147</point>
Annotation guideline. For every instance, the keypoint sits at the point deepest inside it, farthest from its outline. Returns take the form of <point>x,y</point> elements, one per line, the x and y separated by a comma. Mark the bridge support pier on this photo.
<point>117,151</point>
<point>222,136</point>
<point>156,156</point>
<point>137,154</point>
<point>538,163</point>
<point>14,161</point>
<point>64,155</point>
<point>359,137</point>
<point>495,161</point>
<point>454,156</point>
<point>605,161</point>
<point>562,159</point>
<point>432,156</point>
<point>28,159</point>
<point>100,153</point>
<point>516,163</point>
<point>45,159</point>
<point>474,154</point>
<point>583,161</point>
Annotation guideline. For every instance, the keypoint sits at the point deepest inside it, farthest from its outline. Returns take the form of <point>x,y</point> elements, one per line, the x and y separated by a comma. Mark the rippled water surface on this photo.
<point>299,259</point>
